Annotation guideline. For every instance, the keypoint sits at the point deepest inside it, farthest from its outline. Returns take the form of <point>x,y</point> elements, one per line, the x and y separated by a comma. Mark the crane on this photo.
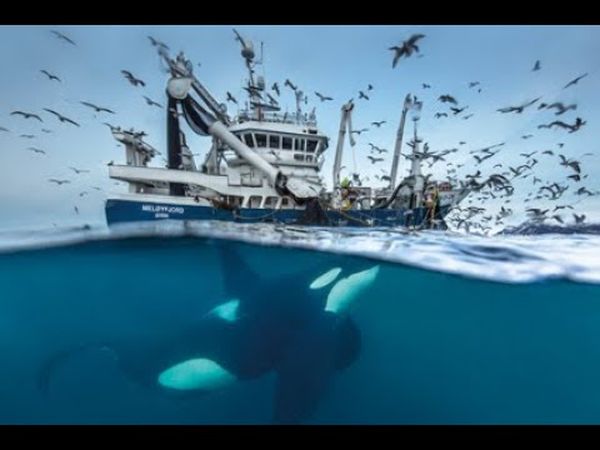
<point>210,118</point>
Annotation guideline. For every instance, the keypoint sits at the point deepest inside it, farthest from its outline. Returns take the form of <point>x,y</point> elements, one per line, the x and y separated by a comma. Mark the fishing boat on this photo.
<point>263,165</point>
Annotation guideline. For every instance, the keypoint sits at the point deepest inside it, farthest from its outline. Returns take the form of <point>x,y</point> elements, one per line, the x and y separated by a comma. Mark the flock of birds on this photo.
<point>48,114</point>
<point>497,185</point>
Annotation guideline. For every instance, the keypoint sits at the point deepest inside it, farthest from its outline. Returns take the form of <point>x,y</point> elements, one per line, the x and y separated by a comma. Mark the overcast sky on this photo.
<point>335,60</point>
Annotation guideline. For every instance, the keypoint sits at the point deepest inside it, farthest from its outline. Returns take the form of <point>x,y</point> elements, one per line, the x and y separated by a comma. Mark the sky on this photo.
<point>337,61</point>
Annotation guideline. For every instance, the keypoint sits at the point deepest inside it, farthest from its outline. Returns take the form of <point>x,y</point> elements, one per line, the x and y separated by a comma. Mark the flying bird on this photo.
<point>361,94</point>
<point>151,102</point>
<point>458,110</point>
<point>537,66</point>
<point>472,84</point>
<point>447,99</point>
<point>290,85</point>
<point>60,35</point>
<point>374,160</point>
<point>407,48</point>
<point>426,86</point>
<point>78,171</point>
<point>575,81</point>
<point>27,136</point>
<point>26,115</point>
<point>97,108</point>
<point>561,108</point>
<point>322,97</point>
<point>378,124</point>
<point>50,76</point>
<point>275,88</point>
<point>132,79</point>
<point>4,129</point>
<point>61,117</point>
<point>36,150</point>
<point>58,182</point>
<point>157,43</point>
<point>518,109</point>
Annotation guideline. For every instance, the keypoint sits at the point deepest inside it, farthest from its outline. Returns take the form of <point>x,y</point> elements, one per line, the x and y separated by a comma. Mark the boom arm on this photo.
<point>215,123</point>
<point>398,146</point>
<point>345,125</point>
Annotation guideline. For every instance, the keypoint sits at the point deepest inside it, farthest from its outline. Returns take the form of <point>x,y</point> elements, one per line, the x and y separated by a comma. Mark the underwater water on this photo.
<point>454,329</point>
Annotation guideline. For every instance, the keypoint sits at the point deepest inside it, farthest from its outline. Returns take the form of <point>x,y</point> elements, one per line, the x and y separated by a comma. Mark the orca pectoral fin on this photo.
<point>344,293</point>
<point>196,374</point>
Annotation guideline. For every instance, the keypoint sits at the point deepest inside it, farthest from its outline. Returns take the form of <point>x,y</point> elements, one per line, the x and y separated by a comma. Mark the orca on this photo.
<point>298,326</point>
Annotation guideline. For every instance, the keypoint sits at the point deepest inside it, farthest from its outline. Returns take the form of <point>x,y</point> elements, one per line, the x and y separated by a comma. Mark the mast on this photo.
<point>398,146</point>
<point>345,123</point>
<point>415,169</point>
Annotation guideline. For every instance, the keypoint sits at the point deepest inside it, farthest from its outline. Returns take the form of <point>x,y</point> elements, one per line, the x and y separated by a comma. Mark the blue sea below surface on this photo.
<point>454,329</point>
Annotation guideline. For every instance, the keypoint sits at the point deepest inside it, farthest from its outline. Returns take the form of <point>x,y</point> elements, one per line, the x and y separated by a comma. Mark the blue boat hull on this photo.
<point>123,211</point>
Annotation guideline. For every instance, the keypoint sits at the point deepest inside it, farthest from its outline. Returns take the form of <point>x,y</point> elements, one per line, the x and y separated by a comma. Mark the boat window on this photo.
<point>271,202</point>
<point>298,157</point>
<point>249,140</point>
<point>299,144</point>
<point>255,201</point>
<point>285,202</point>
<point>311,146</point>
<point>261,140</point>
<point>273,141</point>
<point>309,158</point>
<point>286,143</point>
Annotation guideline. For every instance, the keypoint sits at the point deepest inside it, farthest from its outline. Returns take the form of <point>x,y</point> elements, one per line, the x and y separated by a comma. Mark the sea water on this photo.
<point>455,329</point>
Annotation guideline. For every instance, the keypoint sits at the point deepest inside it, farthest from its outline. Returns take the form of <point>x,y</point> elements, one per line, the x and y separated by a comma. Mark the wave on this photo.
<point>532,228</point>
<point>506,258</point>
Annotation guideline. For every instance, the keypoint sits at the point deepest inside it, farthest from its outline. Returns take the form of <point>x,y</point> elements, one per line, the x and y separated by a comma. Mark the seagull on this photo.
<point>36,150</point>
<point>59,35</point>
<point>560,108</point>
<point>369,87</point>
<point>518,109</point>
<point>438,115</point>
<point>361,94</point>
<point>458,110</point>
<point>374,160</point>
<point>406,48</point>
<point>61,117</point>
<point>447,99</point>
<point>59,182</point>
<point>132,79</point>
<point>322,97</point>
<point>231,98</point>
<point>45,130</point>
<point>27,136</point>
<point>275,88</point>
<point>76,210</point>
<point>290,85</point>
<point>81,194</point>
<point>50,76</point>
<point>537,66</point>
<point>579,219</point>
<point>157,43</point>
<point>378,124</point>
<point>426,86</point>
<point>26,115</point>
<point>575,81</point>
<point>151,102</point>
<point>527,136</point>
<point>78,171</point>
<point>4,129</point>
<point>472,84</point>
<point>97,108</point>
